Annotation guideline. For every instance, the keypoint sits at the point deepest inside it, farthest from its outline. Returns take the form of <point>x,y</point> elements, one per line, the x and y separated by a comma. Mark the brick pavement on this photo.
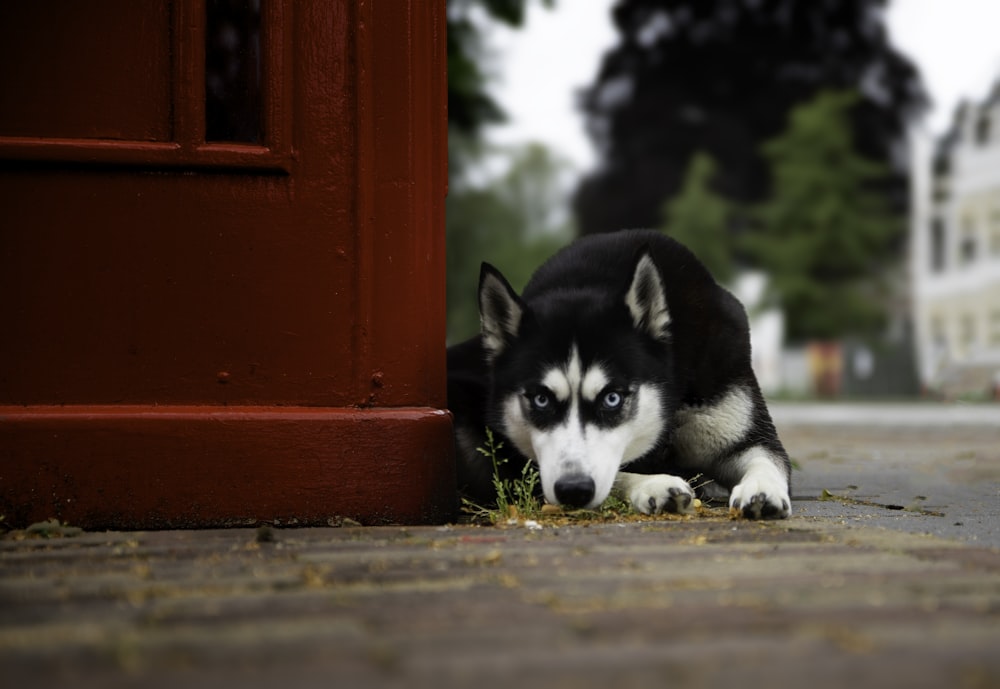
<point>824,599</point>
<point>698,603</point>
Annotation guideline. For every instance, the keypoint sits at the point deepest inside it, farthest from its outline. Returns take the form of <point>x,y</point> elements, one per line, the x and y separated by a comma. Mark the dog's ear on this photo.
<point>646,300</point>
<point>500,311</point>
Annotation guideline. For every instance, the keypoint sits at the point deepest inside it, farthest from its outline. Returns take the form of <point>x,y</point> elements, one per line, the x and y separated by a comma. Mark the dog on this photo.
<point>623,368</point>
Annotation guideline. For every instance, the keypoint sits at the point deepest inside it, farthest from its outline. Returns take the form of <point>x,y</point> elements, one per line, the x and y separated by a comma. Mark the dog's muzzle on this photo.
<point>576,490</point>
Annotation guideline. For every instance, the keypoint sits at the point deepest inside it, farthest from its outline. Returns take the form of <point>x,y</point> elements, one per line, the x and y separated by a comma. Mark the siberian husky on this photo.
<point>622,368</point>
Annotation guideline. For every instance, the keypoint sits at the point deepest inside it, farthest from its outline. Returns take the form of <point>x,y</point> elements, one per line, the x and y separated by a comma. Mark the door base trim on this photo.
<point>157,467</point>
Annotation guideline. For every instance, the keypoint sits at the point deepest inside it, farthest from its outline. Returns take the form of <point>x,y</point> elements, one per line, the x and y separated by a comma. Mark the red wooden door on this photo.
<point>222,262</point>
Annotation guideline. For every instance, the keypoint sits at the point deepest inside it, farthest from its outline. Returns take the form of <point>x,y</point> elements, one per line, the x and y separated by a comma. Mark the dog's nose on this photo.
<point>575,491</point>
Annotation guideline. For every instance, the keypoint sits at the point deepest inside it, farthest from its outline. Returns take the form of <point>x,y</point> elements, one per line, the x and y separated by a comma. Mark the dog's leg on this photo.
<point>734,441</point>
<point>654,493</point>
<point>762,490</point>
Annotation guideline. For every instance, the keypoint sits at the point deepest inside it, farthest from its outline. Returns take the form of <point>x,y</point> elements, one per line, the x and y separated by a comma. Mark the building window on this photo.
<point>937,245</point>
<point>967,249</point>
<point>983,126</point>
<point>941,163</point>
<point>940,191</point>
<point>967,246</point>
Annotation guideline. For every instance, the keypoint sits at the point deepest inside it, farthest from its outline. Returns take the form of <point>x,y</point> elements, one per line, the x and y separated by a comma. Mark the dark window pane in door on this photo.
<point>233,71</point>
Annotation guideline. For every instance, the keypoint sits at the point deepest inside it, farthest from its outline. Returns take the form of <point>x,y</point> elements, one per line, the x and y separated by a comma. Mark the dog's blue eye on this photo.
<point>612,400</point>
<point>540,400</point>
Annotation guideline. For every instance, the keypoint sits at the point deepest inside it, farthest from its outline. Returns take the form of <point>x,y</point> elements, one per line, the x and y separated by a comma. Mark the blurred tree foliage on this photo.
<point>698,217</point>
<point>470,105</point>
<point>825,234</point>
<point>512,221</point>
<point>720,76</point>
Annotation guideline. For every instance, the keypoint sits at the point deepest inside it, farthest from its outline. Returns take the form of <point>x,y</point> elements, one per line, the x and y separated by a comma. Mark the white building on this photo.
<point>767,333</point>
<point>955,252</point>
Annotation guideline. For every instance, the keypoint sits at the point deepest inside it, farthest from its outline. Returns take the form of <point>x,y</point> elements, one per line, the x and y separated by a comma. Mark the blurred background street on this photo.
<point>923,468</point>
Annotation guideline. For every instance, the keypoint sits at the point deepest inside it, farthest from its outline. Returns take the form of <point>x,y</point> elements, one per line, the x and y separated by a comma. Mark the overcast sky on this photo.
<point>955,43</point>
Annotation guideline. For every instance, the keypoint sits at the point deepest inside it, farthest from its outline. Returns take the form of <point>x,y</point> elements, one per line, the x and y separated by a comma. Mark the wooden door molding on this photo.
<point>185,145</point>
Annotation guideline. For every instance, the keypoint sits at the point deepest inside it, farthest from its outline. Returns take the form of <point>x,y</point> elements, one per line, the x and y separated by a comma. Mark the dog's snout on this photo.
<point>575,491</point>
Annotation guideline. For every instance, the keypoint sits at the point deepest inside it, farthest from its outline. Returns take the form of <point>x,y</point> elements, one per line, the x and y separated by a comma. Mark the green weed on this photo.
<point>515,498</point>
<point>52,528</point>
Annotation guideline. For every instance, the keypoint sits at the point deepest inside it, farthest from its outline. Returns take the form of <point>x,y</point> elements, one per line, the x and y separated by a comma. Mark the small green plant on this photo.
<point>515,498</point>
<point>52,528</point>
<point>615,507</point>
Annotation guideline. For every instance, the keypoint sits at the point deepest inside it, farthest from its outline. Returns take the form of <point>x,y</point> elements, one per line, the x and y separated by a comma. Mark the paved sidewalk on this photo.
<point>922,415</point>
<point>828,598</point>
<point>922,468</point>
<point>703,603</point>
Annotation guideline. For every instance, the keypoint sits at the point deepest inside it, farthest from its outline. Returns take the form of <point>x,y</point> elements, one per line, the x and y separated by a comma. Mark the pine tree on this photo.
<point>826,233</point>
<point>698,217</point>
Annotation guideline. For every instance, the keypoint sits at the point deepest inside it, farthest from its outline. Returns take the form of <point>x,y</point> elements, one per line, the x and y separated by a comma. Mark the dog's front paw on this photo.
<point>662,493</point>
<point>761,499</point>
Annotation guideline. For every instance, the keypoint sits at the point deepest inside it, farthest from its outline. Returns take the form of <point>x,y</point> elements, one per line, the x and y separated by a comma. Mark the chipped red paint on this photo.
<point>200,334</point>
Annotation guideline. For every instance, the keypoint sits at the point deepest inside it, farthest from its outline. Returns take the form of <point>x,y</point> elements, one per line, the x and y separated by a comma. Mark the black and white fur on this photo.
<point>623,367</point>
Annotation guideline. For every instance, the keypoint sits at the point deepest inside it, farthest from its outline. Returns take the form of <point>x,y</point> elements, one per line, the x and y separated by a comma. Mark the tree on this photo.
<point>720,76</point>
<point>509,221</point>
<point>698,217</point>
<point>470,105</point>
<point>825,235</point>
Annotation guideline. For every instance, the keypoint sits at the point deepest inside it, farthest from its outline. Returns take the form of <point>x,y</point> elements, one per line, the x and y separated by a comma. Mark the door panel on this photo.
<point>68,70</point>
<point>141,288</point>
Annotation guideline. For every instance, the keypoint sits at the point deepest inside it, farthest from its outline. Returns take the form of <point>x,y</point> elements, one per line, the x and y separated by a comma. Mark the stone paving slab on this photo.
<point>922,479</point>
<point>695,603</point>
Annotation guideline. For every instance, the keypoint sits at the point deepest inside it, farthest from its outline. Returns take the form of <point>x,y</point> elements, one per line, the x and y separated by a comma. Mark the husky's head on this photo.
<point>581,379</point>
